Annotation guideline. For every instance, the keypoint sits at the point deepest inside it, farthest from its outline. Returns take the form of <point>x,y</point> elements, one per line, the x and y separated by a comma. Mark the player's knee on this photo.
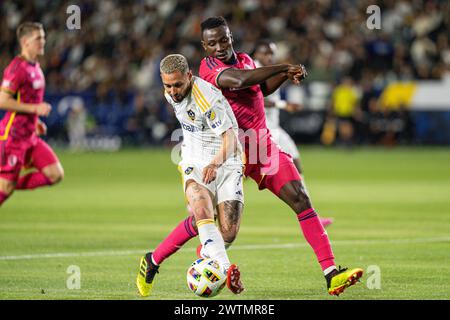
<point>55,175</point>
<point>7,187</point>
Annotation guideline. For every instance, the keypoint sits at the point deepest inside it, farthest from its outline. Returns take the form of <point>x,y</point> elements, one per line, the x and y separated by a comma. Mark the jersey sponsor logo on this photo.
<point>191,114</point>
<point>216,124</point>
<point>188,170</point>
<point>190,127</point>
<point>211,115</point>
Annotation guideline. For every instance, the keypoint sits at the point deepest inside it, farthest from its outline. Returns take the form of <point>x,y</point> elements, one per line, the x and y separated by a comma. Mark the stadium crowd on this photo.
<point>112,62</point>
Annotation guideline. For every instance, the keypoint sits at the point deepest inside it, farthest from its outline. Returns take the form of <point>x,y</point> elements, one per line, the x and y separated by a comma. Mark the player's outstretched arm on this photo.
<point>269,77</point>
<point>7,102</point>
<point>238,78</point>
<point>272,84</point>
<point>295,73</point>
<point>229,147</point>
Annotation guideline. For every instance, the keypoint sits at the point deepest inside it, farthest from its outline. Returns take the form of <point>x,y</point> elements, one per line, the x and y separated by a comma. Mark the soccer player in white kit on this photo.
<point>263,54</point>
<point>212,170</point>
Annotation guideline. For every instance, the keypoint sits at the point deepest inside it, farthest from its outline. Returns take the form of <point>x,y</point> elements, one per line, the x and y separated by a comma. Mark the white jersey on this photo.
<point>280,136</point>
<point>273,113</point>
<point>204,115</point>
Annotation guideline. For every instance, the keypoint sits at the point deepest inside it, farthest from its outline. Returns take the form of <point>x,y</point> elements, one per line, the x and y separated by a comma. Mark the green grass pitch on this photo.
<point>391,210</point>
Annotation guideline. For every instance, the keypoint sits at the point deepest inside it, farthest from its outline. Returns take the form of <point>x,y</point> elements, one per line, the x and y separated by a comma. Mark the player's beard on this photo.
<point>181,96</point>
<point>177,98</point>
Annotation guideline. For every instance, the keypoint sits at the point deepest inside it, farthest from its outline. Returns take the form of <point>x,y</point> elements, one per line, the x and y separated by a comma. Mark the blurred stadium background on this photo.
<point>390,202</point>
<point>103,80</point>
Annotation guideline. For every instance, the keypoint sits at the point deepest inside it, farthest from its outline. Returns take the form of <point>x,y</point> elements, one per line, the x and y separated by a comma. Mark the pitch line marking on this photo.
<point>237,247</point>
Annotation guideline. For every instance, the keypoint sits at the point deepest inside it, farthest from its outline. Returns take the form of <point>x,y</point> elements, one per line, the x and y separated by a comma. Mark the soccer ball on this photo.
<point>206,278</point>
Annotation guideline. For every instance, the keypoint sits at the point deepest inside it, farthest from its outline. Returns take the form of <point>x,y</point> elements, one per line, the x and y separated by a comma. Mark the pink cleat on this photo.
<point>199,250</point>
<point>234,279</point>
<point>326,221</point>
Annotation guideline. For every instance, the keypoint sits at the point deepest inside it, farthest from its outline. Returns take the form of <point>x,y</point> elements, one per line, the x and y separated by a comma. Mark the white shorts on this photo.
<point>285,142</point>
<point>226,187</point>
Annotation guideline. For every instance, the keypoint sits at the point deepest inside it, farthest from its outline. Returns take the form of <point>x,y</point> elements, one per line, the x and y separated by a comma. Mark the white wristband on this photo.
<point>281,104</point>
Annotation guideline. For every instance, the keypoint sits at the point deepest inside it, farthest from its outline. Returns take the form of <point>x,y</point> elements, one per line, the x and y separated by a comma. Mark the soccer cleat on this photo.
<point>146,275</point>
<point>339,280</point>
<point>199,251</point>
<point>326,221</point>
<point>234,279</point>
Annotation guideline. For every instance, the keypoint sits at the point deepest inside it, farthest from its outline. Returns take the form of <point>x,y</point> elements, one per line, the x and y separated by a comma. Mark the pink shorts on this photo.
<point>17,155</point>
<point>271,169</point>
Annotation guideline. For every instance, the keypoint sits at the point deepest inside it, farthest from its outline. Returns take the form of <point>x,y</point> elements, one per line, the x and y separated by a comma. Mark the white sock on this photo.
<point>329,269</point>
<point>212,242</point>
<point>204,252</point>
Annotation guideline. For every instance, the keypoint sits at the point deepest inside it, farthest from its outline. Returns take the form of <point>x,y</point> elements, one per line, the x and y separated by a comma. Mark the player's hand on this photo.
<point>42,109</point>
<point>210,173</point>
<point>41,129</point>
<point>296,73</point>
<point>293,107</point>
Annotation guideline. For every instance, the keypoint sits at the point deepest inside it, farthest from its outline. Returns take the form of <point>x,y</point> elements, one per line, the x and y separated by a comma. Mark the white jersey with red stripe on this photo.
<point>204,115</point>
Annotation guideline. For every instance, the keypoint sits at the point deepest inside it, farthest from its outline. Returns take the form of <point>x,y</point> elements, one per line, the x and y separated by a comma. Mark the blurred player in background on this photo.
<point>211,167</point>
<point>245,86</point>
<point>263,53</point>
<point>22,96</point>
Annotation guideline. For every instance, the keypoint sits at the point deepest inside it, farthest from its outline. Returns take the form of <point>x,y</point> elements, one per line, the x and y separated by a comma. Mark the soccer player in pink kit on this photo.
<point>22,96</point>
<point>245,86</point>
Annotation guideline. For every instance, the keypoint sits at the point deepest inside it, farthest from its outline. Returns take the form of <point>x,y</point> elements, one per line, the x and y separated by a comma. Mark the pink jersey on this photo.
<point>248,103</point>
<point>26,82</point>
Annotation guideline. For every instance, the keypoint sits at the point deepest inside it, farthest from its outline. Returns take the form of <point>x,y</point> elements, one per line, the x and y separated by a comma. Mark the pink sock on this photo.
<point>175,240</point>
<point>3,197</point>
<point>32,181</point>
<point>317,237</point>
